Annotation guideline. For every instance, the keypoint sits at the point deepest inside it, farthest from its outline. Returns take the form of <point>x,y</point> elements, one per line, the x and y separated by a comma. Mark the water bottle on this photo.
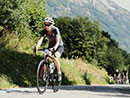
<point>52,67</point>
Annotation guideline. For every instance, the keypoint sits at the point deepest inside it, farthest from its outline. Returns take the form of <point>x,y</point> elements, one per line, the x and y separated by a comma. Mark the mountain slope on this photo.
<point>113,18</point>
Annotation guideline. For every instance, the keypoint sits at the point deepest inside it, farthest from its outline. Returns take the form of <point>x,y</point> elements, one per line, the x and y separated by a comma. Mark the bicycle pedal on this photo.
<point>54,80</point>
<point>55,75</point>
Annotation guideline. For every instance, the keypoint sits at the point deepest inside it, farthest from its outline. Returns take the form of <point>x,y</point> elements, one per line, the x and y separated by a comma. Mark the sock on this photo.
<point>59,72</point>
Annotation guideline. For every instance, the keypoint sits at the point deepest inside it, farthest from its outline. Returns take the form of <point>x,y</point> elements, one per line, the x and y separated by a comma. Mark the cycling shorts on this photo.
<point>59,51</point>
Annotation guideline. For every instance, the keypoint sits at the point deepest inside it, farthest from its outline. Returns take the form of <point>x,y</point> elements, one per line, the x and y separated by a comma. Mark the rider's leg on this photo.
<point>44,65</point>
<point>56,59</point>
<point>123,77</point>
<point>126,77</point>
<point>44,75</point>
<point>44,68</point>
<point>57,54</point>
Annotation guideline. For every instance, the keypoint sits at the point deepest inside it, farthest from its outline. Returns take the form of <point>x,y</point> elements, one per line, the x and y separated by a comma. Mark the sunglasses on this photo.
<point>47,25</point>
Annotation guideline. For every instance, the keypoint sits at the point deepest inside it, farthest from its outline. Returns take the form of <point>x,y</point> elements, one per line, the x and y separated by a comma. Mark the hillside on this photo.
<point>113,18</point>
<point>79,72</point>
<point>18,65</point>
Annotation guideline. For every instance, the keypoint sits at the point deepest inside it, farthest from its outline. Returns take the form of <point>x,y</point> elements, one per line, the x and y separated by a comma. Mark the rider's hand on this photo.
<point>52,49</point>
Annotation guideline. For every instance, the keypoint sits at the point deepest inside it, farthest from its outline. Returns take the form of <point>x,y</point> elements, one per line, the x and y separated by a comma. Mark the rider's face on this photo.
<point>48,26</point>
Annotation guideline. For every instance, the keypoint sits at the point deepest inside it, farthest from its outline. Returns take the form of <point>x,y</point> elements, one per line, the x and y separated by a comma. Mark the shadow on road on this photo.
<point>124,90</point>
<point>20,90</point>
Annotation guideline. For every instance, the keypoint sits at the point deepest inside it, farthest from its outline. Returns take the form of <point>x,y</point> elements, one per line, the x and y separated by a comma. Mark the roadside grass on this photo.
<point>78,72</point>
<point>72,72</point>
<point>96,75</point>
<point>6,82</point>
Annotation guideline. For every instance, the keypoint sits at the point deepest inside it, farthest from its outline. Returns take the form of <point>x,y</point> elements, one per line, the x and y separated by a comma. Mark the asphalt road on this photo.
<point>107,91</point>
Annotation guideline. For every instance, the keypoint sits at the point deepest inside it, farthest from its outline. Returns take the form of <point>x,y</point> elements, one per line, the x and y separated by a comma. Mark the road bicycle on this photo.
<point>47,74</point>
<point>125,80</point>
<point>117,79</point>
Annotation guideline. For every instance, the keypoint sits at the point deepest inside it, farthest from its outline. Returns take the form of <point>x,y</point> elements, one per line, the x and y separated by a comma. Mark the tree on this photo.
<point>22,16</point>
<point>86,39</point>
<point>7,8</point>
<point>115,60</point>
<point>65,26</point>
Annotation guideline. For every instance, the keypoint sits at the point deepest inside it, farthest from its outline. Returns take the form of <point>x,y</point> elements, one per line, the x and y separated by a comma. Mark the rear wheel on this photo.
<point>42,78</point>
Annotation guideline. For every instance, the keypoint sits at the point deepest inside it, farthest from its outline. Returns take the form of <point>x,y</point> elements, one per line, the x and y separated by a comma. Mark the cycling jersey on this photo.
<point>125,71</point>
<point>52,36</point>
<point>117,73</point>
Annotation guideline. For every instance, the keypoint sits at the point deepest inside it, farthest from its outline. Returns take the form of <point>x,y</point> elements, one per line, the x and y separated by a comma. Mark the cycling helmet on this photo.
<point>117,70</point>
<point>49,19</point>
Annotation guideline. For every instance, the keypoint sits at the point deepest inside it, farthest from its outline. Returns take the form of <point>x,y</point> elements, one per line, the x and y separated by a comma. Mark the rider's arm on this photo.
<point>123,73</point>
<point>57,43</point>
<point>57,39</point>
<point>126,73</point>
<point>118,75</point>
<point>39,42</point>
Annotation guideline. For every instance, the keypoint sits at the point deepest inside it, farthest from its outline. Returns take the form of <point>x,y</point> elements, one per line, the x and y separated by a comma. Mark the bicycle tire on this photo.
<point>56,84</point>
<point>42,84</point>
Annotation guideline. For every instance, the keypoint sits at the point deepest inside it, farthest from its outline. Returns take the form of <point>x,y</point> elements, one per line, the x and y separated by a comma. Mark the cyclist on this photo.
<point>55,41</point>
<point>125,74</point>
<point>117,76</point>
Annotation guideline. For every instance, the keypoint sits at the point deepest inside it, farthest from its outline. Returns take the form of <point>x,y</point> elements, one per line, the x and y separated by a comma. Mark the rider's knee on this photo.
<point>57,55</point>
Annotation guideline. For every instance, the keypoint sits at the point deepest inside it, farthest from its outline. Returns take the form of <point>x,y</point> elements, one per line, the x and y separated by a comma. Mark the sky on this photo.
<point>123,3</point>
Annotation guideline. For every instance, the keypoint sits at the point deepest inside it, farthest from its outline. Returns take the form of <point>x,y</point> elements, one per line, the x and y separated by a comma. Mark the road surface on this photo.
<point>107,91</point>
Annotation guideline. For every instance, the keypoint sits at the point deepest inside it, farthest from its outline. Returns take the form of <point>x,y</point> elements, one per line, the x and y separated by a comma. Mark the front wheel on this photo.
<point>42,78</point>
<point>56,84</point>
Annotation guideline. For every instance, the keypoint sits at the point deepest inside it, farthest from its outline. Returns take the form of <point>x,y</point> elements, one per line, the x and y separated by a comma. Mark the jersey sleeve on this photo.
<point>57,33</point>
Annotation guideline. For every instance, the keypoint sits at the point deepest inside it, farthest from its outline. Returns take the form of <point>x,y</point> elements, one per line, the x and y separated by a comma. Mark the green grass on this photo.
<point>71,71</point>
<point>6,82</point>
<point>97,75</point>
<point>78,72</point>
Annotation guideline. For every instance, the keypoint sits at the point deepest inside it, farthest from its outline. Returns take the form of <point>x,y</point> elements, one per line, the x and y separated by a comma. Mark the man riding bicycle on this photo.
<point>117,76</point>
<point>55,42</point>
<point>125,74</point>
